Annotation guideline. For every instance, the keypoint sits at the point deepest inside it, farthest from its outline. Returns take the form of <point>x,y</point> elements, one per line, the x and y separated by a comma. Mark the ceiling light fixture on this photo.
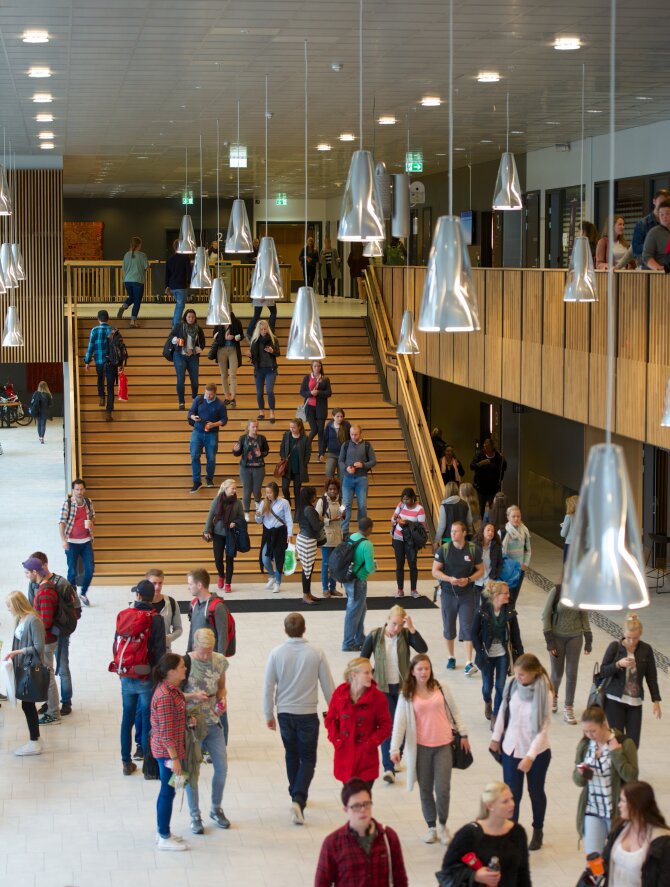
<point>407,343</point>
<point>507,192</point>
<point>238,236</point>
<point>386,120</point>
<point>644,98</point>
<point>39,72</point>
<point>484,142</point>
<point>186,243</point>
<point>12,334</point>
<point>517,132</point>
<point>219,307</point>
<point>431,101</point>
<point>323,146</point>
<point>47,146</point>
<point>17,256</point>
<point>44,118</point>
<point>45,135</point>
<point>35,36</point>
<point>42,98</point>
<point>593,111</point>
<point>488,77</point>
<point>567,44</point>
<point>347,137</point>
<point>201,279</point>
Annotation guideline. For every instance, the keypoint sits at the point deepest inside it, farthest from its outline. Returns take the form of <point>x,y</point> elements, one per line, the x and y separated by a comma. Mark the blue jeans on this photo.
<point>209,440</point>
<point>494,672</point>
<point>327,582</point>
<point>358,487</point>
<point>273,569</point>
<point>513,777</point>
<point>215,744</point>
<point>41,425</point>
<point>135,292</point>
<point>165,799</point>
<point>256,316</point>
<point>63,668</point>
<point>265,376</point>
<point>134,692</point>
<point>180,297</point>
<point>72,554</point>
<point>354,633</point>
<point>392,699</point>
<point>106,379</point>
<point>300,735</point>
<point>181,364</point>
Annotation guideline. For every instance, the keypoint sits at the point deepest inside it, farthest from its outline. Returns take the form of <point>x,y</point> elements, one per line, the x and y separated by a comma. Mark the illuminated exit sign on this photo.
<point>281,200</point>
<point>414,161</point>
<point>187,198</point>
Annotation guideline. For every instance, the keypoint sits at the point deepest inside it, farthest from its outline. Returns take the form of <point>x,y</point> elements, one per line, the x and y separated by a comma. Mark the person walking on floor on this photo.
<point>28,642</point>
<point>487,539</point>
<point>451,468</point>
<point>178,281</point>
<point>565,630</point>
<point>390,646</point>
<point>76,527</point>
<point>335,434</point>
<point>309,261</point>
<point>296,449</point>
<point>188,339</point>
<point>452,508</point>
<point>291,681</point>
<point>638,847</point>
<point>316,391</point>
<point>225,513</point>
<point>427,719</point>
<point>252,448</point>
<point>264,351</point>
<point>135,264</point>
<point>329,509</point>
<point>307,541</point>
<point>98,352</point>
<point>516,545</point>
<point>258,305</point>
<point>274,515</point>
<point>467,493</point>
<point>489,467</point>
<point>330,268</point>
<point>356,588</point>
<point>407,516</point>
<point>206,415</point>
<point>356,461</point>
<point>568,524</point>
<point>40,403</point>
<point>227,352</point>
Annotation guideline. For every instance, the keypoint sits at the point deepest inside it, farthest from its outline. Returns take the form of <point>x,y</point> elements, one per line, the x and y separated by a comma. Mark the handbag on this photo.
<point>281,468</point>
<point>511,572</point>
<point>213,350</point>
<point>462,876</point>
<point>32,682</point>
<point>168,349</point>
<point>598,688</point>
<point>321,538</point>
<point>462,759</point>
<point>301,412</point>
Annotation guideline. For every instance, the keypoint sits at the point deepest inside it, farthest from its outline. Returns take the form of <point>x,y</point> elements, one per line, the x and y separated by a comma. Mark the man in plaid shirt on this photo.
<point>76,525</point>
<point>46,605</point>
<point>98,349</point>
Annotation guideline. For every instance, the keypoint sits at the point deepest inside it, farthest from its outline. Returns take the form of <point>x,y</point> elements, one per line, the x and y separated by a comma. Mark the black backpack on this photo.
<point>65,617</point>
<point>117,353</point>
<point>341,561</point>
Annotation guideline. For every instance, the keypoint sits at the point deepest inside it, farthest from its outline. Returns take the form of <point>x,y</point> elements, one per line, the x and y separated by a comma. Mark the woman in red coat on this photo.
<point>358,721</point>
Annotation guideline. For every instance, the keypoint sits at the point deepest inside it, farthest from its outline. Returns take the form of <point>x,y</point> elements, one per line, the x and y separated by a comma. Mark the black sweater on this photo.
<point>655,868</point>
<point>322,392</point>
<point>511,849</point>
<point>310,523</point>
<point>646,669</point>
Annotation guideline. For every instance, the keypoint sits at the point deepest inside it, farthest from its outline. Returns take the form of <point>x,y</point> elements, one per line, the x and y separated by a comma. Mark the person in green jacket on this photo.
<point>357,589</point>
<point>605,760</point>
<point>564,627</point>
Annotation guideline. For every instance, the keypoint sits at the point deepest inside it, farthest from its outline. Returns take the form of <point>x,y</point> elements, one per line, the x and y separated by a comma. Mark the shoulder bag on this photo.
<point>168,349</point>
<point>281,468</point>
<point>598,688</point>
<point>32,681</point>
<point>461,759</point>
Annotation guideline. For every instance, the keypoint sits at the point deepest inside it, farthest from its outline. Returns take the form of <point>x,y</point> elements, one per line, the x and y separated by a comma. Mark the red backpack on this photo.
<point>214,602</point>
<point>131,644</point>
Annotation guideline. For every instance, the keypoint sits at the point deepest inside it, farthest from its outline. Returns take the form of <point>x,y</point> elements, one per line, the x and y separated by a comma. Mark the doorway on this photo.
<point>532,230</point>
<point>289,238</point>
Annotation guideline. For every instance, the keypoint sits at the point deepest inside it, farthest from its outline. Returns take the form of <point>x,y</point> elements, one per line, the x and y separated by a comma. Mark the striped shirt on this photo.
<point>404,512</point>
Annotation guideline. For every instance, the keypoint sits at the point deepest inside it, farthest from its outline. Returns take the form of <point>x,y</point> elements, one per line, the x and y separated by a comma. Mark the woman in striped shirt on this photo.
<point>407,511</point>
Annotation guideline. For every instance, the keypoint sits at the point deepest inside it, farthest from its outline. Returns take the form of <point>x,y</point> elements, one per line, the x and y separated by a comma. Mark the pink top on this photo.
<point>403,512</point>
<point>79,533</point>
<point>519,740</point>
<point>432,724</point>
<point>313,382</point>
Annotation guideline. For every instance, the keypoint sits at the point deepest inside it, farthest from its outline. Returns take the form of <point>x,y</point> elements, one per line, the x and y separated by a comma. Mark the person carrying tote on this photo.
<point>224,513</point>
<point>252,447</point>
<point>275,517</point>
<point>28,643</point>
<point>188,339</point>
<point>329,507</point>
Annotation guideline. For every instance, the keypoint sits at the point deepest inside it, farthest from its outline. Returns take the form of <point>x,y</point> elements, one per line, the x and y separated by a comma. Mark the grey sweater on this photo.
<point>293,673</point>
<point>565,622</point>
<point>655,246</point>
<point>32,641</point>
<point>350,452</point>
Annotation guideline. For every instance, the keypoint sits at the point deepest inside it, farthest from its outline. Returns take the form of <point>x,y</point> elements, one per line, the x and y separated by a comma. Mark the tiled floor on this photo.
<point>69,817</point>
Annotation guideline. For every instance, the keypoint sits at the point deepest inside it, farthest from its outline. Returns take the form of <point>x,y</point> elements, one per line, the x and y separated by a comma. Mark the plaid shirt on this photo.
<point>168,721</point>
<point>46,604</point>
<point>69,510</point>
<point>98,347</point>
<point>344,863</point>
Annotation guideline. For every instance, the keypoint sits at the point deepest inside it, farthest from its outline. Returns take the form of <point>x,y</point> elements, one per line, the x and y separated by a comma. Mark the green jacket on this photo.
<point>624,769</point>
<point>564,621</point>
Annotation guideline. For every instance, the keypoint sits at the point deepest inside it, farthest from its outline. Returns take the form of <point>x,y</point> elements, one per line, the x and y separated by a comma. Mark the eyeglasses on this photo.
<point>358,808</point>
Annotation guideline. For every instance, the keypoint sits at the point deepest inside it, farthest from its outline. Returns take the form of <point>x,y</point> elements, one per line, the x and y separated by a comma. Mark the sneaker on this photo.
<point>66,708</point>
<point>415,593</point>
<point>139,753</point>
<point>171,843</point>
<point>206,757</point>
<point>219,817</point>
<point>135,323</point>
<point>297,816</point>
<point>84,599</point>
<point>246,516</point>
<point>389,777</point>
<point>32,747</point>
<point>400,593</point>
<point>209,482</point>
<point>443,833</point>
<point>129,768</point>
<point>227,588</point>
<point>196,486</point>
<point>182,406</point>
<point>569,715</point>
<point>270,584</point>
<point>554,705</point>
<point>48,719</point>
<point>430,837</point>
<point>277,588</point>
<point>196,825</point>
<point>43,709</point>
<point>232,404</point>
<point>470,669</point>
<point>451,664</point>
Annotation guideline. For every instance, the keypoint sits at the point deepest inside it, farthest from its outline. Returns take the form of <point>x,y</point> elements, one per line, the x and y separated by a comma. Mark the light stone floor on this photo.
<point>70,819</point>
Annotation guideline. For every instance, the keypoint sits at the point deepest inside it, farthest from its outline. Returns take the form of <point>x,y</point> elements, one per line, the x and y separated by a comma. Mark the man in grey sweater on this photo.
<point>655,255</point>
<point>357,459</point>
<point>292,676</point>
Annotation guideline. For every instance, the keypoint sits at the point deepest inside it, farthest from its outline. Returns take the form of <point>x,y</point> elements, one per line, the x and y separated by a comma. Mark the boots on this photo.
<point>488,711</point>
<point>536,840</point>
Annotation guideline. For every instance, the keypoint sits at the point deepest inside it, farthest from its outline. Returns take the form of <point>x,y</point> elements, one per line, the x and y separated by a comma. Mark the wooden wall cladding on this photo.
<point>38,219</point>
<point>576,362</point>
<point>632,349</point>
<point>598,360</point>
<point>553,342</point>
<point>531,340</point>
<point>492,324</point>
<point>511,336</point>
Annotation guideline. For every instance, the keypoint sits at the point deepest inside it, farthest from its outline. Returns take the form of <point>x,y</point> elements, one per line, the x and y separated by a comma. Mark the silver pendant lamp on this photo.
<point>238,238</point>
<point>8,267</point>
<point>507,193</point>
<point>187,242</point>
<point>12,334</point>
<point>218,313</point>
<point>604,569</point>
<point>3,288</point>
<point>373,249</point>
<point>5,196</point>
<point>407,343</point>
<point>361,213</point>
<point>305,338</point>
<point>201,279</point>
<point>665,419</point>
<point>449,300</point>
<point>266,280</point>
<point>17,256</point>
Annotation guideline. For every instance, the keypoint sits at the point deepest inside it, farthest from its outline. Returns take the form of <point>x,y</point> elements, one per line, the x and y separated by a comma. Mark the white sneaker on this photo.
<point>277,588</point>
<point>430,837</point>
<point>443,834</point>
<point>270,584</point>
<point>246,516</point>
<point>297,816</point>
<point>389,777</point>
<point>172,843</point>
<point>32,747</point>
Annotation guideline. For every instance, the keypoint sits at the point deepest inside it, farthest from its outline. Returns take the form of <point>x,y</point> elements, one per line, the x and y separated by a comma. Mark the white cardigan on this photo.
<point>404,727</point>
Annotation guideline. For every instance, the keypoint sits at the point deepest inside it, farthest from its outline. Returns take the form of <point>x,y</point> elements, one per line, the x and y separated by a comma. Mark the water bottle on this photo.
<point>494,864</point>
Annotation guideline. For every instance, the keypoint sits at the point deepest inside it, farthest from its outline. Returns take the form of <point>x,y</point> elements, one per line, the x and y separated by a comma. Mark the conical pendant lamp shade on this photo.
<point>219,308</point>
<point>18,262</point>
<point>604,568</point>
<point>580,281</point>
<point>507,194</point>
<point>3,288</point>
<point>8,269</point>
<point>449,301</point>
<point>201,279</point>
<point>12,335</point>
<point>361,217</point>
<point>5,196</point>
<point>186,235</point>
<point>665,419</point>
<point>266,279</point>
<point>373,249</point>
<point>407,341</point>
<point>238,239</point>
<point>305,339</point>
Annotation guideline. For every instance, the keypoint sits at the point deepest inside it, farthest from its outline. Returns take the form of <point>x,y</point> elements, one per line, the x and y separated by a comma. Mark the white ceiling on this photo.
<point>135,82</point>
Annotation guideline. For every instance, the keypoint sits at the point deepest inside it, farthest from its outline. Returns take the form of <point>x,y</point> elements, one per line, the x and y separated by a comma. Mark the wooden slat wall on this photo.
<point>511,331</point>
<point>658,368</point>
<point>553,342</point>
<point>492,325</point>
<point>598,360</point>
<point>631,401</point>
<point>38,222</point>
<point>531,339</point>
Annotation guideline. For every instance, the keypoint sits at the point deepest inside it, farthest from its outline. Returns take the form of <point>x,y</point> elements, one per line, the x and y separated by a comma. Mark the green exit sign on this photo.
<point>414,161</point>
<point>281,200</point>
<point>187,198</point>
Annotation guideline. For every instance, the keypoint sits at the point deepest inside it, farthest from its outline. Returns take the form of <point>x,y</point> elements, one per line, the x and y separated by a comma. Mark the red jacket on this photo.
<point>357,729</point>
<point>344,863</point>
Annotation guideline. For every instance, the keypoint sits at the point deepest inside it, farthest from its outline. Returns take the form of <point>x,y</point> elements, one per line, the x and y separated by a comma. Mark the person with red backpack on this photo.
<point>46,604</point>
<point>139,642</point>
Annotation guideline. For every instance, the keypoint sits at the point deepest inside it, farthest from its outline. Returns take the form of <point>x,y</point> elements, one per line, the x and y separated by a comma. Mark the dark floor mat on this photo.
<point>282,603</point>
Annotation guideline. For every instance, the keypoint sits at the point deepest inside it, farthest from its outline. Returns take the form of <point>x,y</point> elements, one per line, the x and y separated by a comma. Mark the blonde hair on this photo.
<point>205,637</point>
<point>227,484</point>
<point>490,795</point>
<point>257,332</point>
<point>467,493</point>
<point>398,611</point>
<point>632,623</point>
<point>493,588</point>
<point>511,509</point>
<point>19,605</point>
<point>43,388</point>
<point>252,422</point>
<point>451,489</point>
<point>353,665</point>
<point>571,504</point>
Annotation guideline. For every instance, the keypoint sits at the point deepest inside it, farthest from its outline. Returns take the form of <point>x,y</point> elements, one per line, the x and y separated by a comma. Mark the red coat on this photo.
<point>357,729</point>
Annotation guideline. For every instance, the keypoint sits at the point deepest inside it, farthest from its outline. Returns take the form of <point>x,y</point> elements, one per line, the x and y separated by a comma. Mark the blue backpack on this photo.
<point>511,572</point>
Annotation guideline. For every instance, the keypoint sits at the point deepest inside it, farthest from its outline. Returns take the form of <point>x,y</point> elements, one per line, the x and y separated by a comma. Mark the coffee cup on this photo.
<point>88,524</point>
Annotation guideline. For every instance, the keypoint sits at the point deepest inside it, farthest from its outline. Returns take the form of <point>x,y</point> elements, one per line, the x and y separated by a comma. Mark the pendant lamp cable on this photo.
<point>451,106</point>
<point>186,180</point>
<point>266,155</point>
<point>610,231</point>
<point>409,237</point>
<point>201,232</point>
<point>218,221</point>
<point>581,162</point>
<point>360,73</point>
<point>304,249</point>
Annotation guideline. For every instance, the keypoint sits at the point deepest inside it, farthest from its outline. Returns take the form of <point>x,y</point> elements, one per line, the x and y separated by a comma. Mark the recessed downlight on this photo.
<point>553,122</point>
<point>567,44</point>
<point>39,71</point>
<point>431,101</point>
<point>593,111</point>
<point>517,132</point>
<point>644,98</point>
<point>347,137</point>
<point>45,135</point>
<point>386,120</point>
<point>44,118</point>
<point>488,77</point>
<point>42,98</point>
<point>324,146</point>
<point>35,35</point>
<point>47,146</point>
<point>485,142</point>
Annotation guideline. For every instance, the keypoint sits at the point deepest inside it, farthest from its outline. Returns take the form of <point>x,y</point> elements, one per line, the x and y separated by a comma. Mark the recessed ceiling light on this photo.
<point>45,135</point>
<point>440,154</point>
<point>142,157</point>
<point>47,146</point>
<point>38,71</point>
<point>35,36</point>
<point>347,137</point>
<point>386,120</point>
<point>483,142</point>
<point>431,101</point>
<point>553,122</point>
<point>644,98</point>
<point>517,132</point>
<point>42,98</point>
<point>463,149</point>
<point>323,146</point>
<point>593,111</point>
<point>336,66</point>
<point>44,118</point>
<point>566,44</point>
<point>488,77</point>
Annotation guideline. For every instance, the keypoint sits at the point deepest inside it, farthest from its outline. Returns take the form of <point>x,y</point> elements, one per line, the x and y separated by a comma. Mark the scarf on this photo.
<point>520,534</point>
<point>536,692</point>
<point>223,510</point>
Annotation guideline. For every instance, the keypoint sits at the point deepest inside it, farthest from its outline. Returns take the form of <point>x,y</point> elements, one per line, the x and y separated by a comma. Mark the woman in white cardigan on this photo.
<point>427,718</point>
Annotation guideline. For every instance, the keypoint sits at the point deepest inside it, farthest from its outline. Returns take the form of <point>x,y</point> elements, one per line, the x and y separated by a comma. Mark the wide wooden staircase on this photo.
<point>137,469</point>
